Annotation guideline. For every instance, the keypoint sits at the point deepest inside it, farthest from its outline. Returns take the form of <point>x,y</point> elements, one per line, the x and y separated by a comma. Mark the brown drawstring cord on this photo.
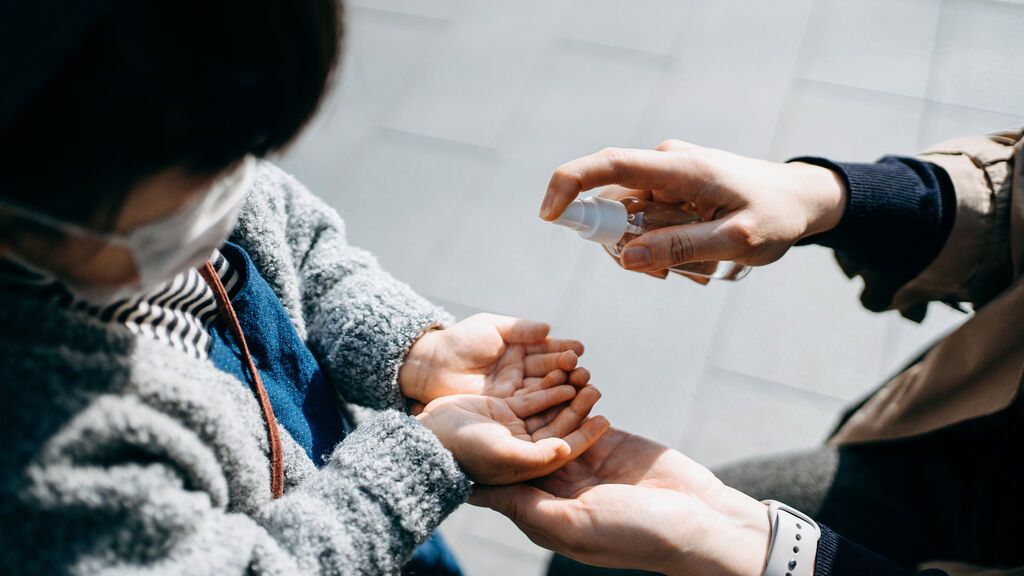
<point>228,313</point>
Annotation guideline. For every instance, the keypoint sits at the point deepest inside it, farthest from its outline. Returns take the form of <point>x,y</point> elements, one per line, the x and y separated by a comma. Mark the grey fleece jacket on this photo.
<point>125,456</point>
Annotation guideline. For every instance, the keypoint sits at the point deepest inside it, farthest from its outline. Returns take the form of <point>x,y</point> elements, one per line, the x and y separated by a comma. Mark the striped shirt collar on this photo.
<point>178,313</point>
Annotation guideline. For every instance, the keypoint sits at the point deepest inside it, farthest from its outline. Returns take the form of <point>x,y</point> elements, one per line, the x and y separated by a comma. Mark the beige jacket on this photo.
<point>979,368</point>
<point>976,370</point>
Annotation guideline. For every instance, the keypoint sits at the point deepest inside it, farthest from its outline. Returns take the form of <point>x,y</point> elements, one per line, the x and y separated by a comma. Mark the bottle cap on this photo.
<point>596,219</point>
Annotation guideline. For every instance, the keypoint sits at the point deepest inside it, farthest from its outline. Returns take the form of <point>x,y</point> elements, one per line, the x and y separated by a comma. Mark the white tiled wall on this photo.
<point>449,115</point>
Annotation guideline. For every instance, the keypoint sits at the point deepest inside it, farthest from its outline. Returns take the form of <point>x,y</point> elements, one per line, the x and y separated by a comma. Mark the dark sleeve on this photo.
<point>899,213</point>
<point>837,556</point>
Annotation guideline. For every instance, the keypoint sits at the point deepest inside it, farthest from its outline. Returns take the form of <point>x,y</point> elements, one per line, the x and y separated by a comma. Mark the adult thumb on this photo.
<point>523,504</point>
<point>698,242</point>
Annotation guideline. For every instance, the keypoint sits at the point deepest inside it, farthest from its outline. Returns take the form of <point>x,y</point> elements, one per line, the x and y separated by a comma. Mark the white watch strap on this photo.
<point>793,544</point>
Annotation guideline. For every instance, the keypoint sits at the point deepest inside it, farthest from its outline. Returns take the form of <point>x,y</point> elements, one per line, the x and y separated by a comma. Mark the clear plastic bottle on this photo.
<point>615,223</point>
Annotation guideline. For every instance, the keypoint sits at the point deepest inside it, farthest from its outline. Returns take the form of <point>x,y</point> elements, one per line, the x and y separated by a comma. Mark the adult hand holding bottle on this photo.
<point>753,211</point>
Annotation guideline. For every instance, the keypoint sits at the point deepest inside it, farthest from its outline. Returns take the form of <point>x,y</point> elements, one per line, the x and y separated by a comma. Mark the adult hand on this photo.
<point>503,440</point>
<point>632,503</point>
<point>491,355</point>
<point>753,210</point>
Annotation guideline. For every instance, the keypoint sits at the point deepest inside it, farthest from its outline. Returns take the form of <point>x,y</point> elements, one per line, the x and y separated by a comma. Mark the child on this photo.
<point>172,396</point>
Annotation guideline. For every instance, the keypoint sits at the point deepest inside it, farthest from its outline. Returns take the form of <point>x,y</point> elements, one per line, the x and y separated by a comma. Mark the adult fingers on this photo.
<point>570,418</point>
<point>556,345</point>
<point>659,274</point>
<point>620,192</point>
<point>699,242</point>
<point>702,280</point>
<point>529,404</point>
<point>631,168</point>
<point>537,365</point>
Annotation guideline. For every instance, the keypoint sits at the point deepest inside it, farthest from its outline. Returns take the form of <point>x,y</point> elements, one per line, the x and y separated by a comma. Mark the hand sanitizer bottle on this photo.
<point>615,223</point>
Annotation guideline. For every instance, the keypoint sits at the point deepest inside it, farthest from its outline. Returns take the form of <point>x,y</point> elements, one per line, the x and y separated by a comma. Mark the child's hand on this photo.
<point>505,440</point>
<point>490,355</point>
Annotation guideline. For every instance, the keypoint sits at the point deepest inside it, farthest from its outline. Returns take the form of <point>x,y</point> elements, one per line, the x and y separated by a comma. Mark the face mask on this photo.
<point>164,248</point>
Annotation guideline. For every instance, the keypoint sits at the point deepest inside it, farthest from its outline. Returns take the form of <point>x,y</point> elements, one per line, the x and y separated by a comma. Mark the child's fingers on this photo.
<point>524,460</point>
<point>582,439</point>
<point>552,379</point>
<point>550,454</point>
<point>556,345</point>
<point>569,419</point>
<point>518,330</point>
<point>538,421</point>
<point>541,364</point>
<point>579,377</point>
<point>531,460</point>
<point>529,385</point>
<point>535,402</point>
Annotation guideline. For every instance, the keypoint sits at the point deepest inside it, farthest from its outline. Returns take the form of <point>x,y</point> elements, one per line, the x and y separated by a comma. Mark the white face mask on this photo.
<point>164,248</point>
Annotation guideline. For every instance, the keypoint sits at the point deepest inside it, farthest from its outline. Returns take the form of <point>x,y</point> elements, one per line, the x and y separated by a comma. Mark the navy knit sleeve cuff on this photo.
<point>898,215</point>
<point>838,556</point>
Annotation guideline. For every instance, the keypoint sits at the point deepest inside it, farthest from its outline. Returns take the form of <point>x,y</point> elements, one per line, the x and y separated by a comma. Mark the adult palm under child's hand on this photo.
<point>632,503</point>
<point>491,355</point>
<point>504,440</point>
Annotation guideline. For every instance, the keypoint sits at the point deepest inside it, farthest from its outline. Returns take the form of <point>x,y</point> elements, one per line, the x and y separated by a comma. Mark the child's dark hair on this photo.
<point>155,84</point>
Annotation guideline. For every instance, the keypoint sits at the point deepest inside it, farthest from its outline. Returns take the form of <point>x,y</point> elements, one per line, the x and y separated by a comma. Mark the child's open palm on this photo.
<point>529,435</point>
<point>491,355</point>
